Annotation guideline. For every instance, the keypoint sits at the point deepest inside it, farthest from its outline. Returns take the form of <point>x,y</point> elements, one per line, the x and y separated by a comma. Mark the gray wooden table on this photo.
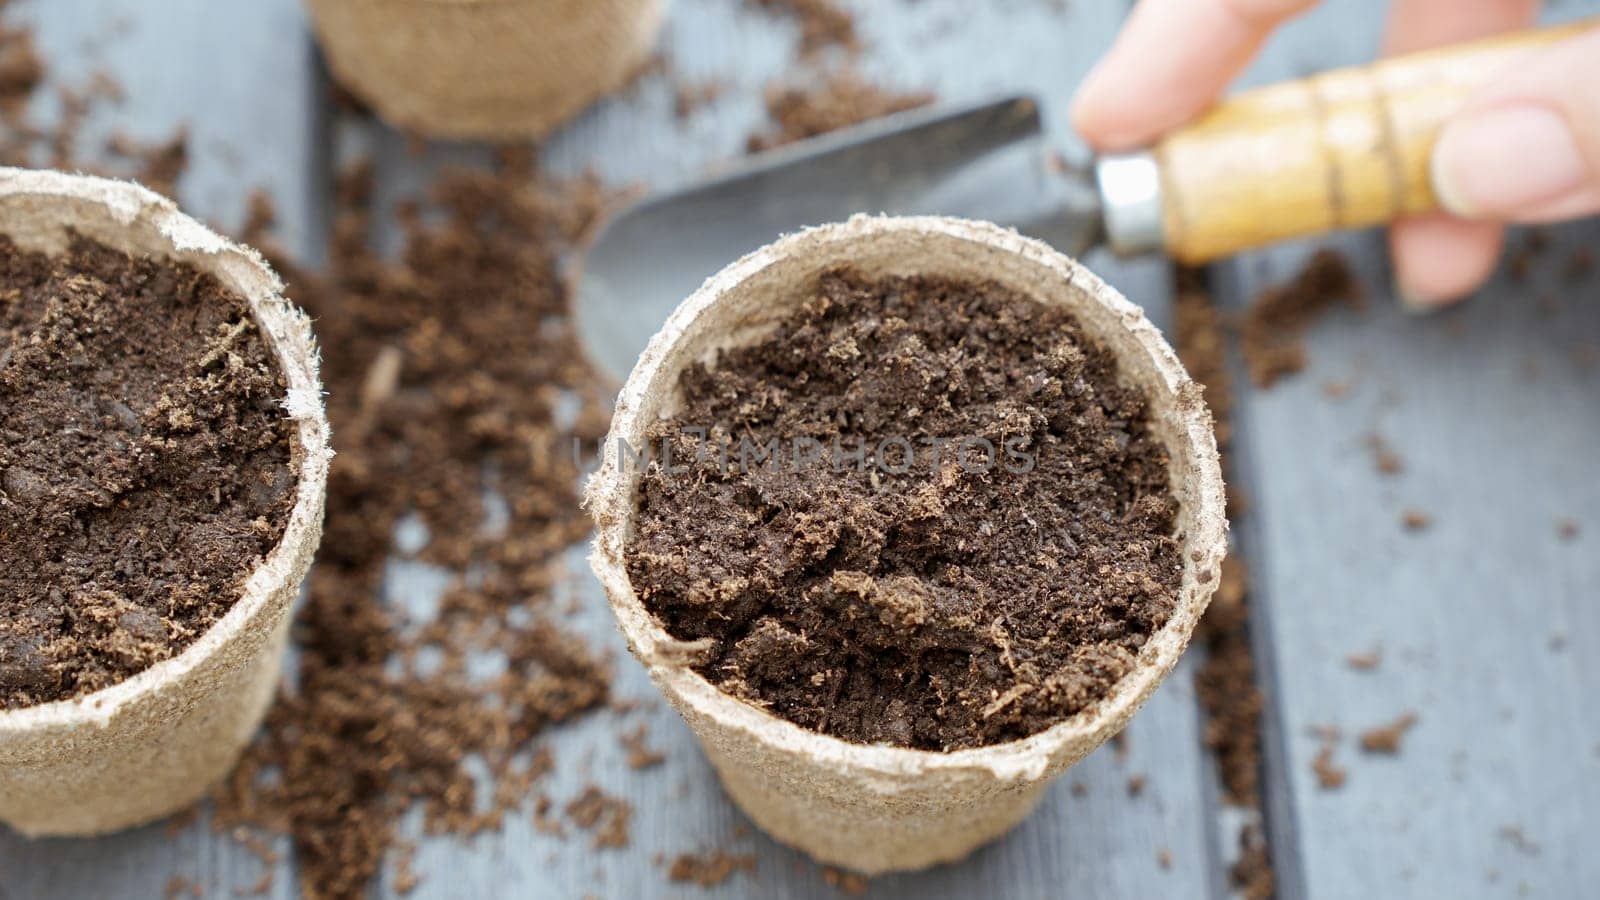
<point>1485,620</point>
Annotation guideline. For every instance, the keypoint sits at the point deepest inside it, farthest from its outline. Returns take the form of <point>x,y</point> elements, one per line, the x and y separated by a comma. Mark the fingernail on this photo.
<point>1501,160</point>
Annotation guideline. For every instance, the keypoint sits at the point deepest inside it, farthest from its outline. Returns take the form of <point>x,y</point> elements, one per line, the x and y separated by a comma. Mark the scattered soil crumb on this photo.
<point>1336,390</point>
<point>1580,264</point>
<point>689,98</point>
<point>259,887</point>
<point>1567,529</point>
<point>1384,457</point>
<point>710,869</point>
<point>157,166</point>
<point>844,98</point>
<point>640,755</point>
<point>1225,683</point>
<point>1227,688</point>
<point>1387,738</point>
<point>1251,875</point>
<point>1584,356</point>
<point>607,817</point>
<point>1365,662</point>
<point>1273,331</point>
<point>848,883</point>
<point>823,24</point>
<point>1202,336</point>
<point>179,822</point>
<point>1519,840</point>
<point>1330,777</point>
<point>405,874</point>
<point>21,71</point>
<point>1415,519</point>
<point>1136,785</point>
<point>1164,858</point>
<point>1046,580</point>
<point>434,400</point>
<point>178,886</point>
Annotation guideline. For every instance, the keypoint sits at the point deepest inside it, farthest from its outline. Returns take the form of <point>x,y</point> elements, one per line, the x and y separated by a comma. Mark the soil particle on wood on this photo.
<point>1579,265</point>
<point>21,71</point>
<point>1273,330</point>
<point>640,754</point>
<point>847,883</point>
<point>841,99</point>
<point>604,816</point>
<point>446,372</point>
<point>710,869</point>
<point>1385,459</point>
<point>689,97</point>
<point>1252,875</point>
<point>145,465</point>
<point>1414,519</point>
<point>179,886</point>
<point>1515,836</point>
<point>1226,682</point>
<point>1567,529</point>
<point>1386,739</point>
<point>1366,661</point>
<point>1226,686</point>
<point>1330,776</point>
<point>823,24</point>
<point>931,600</point>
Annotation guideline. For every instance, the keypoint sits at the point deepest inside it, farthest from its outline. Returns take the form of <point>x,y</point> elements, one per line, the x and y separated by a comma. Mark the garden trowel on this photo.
<point>1343,149</point>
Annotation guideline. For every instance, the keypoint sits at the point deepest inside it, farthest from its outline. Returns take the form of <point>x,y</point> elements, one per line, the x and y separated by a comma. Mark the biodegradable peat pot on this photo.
<point>154,743</point>
<point>879,808</point>
<point>484,68</point>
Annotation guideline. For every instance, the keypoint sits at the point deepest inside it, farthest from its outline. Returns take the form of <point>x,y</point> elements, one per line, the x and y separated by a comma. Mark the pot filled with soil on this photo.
<point>484,68</point>
<point>906,516</point>
<point>162,466</point>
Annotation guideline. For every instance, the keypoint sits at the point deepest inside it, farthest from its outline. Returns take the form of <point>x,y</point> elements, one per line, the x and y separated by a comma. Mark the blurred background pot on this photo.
<point>484,68</point>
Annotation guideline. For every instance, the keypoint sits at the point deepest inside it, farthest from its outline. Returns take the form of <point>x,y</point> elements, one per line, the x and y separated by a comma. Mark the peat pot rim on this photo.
<point>610,496</point>
<point>140,222</point>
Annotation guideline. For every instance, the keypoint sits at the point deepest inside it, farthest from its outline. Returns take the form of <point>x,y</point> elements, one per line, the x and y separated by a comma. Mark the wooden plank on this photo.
<point>240,79</point>
<point>1097,838</point>
<point>1480,618</point>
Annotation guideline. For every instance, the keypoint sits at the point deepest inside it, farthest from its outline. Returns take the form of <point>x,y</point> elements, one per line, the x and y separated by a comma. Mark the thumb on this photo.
<point>1527,147</point>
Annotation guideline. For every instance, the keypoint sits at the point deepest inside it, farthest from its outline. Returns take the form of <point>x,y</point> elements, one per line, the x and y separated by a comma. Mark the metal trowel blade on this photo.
<point>988,161</point>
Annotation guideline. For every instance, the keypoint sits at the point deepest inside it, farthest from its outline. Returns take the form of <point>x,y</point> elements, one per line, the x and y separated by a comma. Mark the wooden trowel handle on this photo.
<point>1344,149</point>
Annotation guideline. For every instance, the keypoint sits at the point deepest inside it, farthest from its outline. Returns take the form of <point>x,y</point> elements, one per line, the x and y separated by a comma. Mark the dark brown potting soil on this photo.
<point>144,464</point>
<point>937,600</point>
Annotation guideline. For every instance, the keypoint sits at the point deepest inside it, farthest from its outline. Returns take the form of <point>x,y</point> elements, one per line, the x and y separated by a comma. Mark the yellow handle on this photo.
<point>1344,149</point>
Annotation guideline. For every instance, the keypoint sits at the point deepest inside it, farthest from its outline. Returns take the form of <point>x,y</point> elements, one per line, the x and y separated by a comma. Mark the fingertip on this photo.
<point>1440,259</point>
<point>1103,116</point>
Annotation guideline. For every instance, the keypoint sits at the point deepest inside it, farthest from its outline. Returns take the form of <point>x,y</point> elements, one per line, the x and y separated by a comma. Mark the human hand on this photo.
<point>1525,149</point>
